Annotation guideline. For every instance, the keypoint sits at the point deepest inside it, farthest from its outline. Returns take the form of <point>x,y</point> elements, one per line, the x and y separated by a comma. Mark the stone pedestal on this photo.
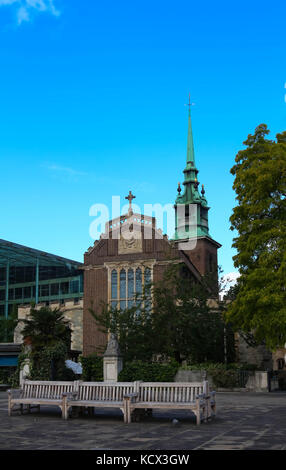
<point>112,361</point>
<point>258,382</point>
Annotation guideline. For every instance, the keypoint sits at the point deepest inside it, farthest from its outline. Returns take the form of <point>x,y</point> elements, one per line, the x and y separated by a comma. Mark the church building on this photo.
<point>133,251</point>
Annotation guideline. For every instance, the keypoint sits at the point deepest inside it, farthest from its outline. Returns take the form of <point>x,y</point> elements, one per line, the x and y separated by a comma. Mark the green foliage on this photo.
<point>92,368</point>
<point>186,325</point>
<point>224,378</point>
<point>133,328</point>
<point>15,376</point>
<point>6,374</point>
<point>49,363</point>
<point>219,366</point>
<point>50,335</point>
<point>223,375</point>
<point>149,371</point>
<point>7,327</point>
<point>47,327</point>
<point>260,221</point>
<point>179,324</point>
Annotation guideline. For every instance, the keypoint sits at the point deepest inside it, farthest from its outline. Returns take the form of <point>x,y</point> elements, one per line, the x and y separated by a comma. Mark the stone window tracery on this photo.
<point>127,285</point>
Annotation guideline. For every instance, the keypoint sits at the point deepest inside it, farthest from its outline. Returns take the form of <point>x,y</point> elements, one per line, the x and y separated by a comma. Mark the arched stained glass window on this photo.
<point>147,285</point>
<point>122,284</point>
<point>138,284</point>
<point>114,284</point>
<point>147,278</point>
<point>130,289</point>
<point>127,287</point>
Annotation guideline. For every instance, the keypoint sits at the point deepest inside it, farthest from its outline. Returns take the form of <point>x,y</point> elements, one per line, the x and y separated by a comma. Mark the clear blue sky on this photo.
<point>92,104</point>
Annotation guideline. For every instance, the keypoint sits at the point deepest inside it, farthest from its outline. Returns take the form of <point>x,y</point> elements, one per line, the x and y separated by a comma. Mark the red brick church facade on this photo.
<point>133,251</point>
<point>109,255</point>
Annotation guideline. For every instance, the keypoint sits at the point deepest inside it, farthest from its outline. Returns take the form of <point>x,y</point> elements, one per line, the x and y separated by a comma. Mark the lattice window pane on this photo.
<point>123,284</point>
<point>114,284</point>
<point>130,284</point>
<point>138,281</point>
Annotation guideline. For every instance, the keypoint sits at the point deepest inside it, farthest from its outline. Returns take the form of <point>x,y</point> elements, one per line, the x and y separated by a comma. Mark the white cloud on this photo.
<point>25,9</point>
<point>65,170</point>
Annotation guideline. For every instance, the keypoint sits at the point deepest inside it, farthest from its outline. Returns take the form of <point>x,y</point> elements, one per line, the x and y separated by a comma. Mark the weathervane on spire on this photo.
<point>189,104</point>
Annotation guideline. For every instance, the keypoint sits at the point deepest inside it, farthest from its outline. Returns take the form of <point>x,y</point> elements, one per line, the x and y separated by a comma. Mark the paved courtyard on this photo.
<point>244,421</point>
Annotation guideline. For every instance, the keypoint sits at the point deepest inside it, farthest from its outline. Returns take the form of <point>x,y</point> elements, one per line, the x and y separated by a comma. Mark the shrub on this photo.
<point>220,366</point>
<point>6,374</point>
<point>149,371</point>
<point>49,364</point>
<point>224,378</point>
<point>223,375</point>
<point>92,368</point>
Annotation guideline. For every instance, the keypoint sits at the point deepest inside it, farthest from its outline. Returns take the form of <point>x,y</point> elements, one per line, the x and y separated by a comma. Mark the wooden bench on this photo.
<point>39,393</point>
<point>127,396</point>
<point>99,395</point>
<point>194,397</point>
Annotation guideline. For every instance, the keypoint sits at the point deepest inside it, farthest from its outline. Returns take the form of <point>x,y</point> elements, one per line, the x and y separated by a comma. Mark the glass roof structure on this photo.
<point>19,255</point>
<point>29,275</point>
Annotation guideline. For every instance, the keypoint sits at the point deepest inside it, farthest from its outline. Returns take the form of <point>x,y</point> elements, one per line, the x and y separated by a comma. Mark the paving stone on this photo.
<point>245,421</point>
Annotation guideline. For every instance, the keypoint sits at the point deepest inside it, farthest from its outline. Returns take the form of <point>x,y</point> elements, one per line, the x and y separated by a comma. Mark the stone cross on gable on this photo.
<point>130,197</point>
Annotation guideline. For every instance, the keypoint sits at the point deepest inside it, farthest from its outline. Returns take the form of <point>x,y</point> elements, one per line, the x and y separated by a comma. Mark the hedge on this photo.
<point>92,368</point>
<point>223,375</point>
<point>148,371</point>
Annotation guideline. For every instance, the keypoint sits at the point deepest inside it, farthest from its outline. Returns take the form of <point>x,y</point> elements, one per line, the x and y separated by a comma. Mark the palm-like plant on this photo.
<point>49,334</point>
<point>46,327</point>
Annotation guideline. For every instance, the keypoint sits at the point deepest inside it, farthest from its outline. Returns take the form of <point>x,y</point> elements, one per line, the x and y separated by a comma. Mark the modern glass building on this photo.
<point>28,275</point>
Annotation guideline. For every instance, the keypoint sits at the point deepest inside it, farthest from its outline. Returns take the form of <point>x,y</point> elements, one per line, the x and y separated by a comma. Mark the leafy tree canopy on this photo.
<point>180,323</point>
<point>260,221</point>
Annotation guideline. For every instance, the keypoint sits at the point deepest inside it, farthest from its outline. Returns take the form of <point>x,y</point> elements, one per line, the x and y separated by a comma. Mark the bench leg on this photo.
<point>10,407</point>
<point>127,410</point>
<point>213,409</point>
<point>90,411</point>
<point>64,407</point>
<point>128,413</point>
<point>198,411</point>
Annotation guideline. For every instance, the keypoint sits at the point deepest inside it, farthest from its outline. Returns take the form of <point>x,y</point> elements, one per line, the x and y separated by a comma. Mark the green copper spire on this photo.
<point>187,228</point>
<point>190,146</point>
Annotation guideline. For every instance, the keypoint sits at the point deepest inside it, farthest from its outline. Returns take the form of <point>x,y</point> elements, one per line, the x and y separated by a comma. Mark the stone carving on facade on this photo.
<point>130,242</point>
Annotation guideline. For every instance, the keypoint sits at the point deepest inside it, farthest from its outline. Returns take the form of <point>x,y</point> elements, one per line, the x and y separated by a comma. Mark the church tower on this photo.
<point>191,215</point>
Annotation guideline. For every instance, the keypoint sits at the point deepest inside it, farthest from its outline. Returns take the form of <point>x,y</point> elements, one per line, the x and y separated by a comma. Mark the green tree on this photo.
<point>7,326</point>
<point>260,221</point>
<point>188,319</point>
<point>132,326</point>
<point>50,337</point>
<point>180,324</point>
<point>46,327</point>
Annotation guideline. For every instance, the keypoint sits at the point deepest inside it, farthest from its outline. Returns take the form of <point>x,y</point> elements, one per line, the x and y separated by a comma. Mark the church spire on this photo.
<point>190,146</point>
<point>185,228</point>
